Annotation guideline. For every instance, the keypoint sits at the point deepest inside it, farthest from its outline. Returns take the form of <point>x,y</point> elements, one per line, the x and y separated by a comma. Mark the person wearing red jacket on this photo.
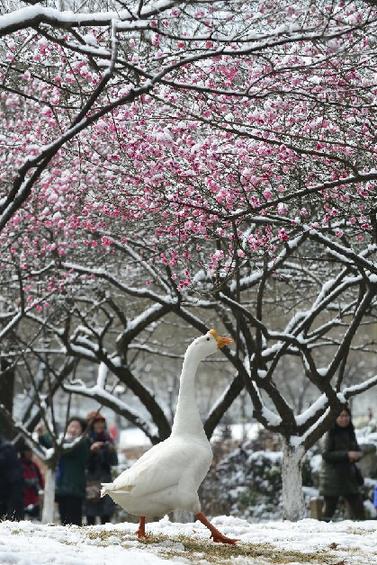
<point>33,483</point>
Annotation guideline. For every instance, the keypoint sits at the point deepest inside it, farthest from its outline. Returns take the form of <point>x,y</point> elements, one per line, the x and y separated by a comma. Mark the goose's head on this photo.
<point>209,343</point>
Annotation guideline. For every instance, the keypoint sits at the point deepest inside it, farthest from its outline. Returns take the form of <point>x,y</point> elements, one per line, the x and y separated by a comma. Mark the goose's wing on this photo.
<point>159,468</point>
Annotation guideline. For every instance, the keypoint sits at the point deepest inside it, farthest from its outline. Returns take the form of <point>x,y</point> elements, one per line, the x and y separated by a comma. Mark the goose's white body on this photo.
<point>167,477</point>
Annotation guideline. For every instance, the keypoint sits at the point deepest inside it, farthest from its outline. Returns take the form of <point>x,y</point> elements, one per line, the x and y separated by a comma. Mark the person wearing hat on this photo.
<point>101,458</point>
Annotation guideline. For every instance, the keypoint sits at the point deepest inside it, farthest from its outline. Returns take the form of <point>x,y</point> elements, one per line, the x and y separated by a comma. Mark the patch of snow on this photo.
<point>274,456</point>
<point>90,39</point>
<point>315,462</point>
<point>27,543</point>
<point>341,397</point>
<point>133,437</point>
<point>272,418</point>
<point>295,441</point>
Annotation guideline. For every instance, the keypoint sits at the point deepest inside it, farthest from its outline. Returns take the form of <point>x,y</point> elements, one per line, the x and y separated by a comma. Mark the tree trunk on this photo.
<point>49,497</point>
<point>293,497</point>
<point>6,397</point>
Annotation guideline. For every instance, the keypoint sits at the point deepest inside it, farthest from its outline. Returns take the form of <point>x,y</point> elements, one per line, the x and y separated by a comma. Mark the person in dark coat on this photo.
<point>339,476</point>
<point>33,482</point>
<point>71,473</point>
<point>102,457</point>
<point>11,483</point>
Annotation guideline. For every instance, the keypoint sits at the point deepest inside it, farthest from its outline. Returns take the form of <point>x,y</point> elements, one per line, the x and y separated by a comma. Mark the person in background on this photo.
<point>339,476</point>
<point>102,457</point>
<point>11,482</point>
<point>33,483</point>
<point>71,472</point>
<point>114,432</point>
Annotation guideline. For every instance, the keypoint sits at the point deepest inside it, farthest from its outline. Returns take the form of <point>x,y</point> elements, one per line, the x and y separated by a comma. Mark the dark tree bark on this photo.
<point>7,380</point>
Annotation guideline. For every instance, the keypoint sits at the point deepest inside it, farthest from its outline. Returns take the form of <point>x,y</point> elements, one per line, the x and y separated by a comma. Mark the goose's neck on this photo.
<point>187,418</point>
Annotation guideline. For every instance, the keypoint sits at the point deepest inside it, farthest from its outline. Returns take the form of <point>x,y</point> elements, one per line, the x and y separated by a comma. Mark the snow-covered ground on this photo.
<point>305,542</point>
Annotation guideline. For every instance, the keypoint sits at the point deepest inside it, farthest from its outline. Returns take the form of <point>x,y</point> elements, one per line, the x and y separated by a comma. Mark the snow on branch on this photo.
<point>105,398</point>
<point>272,418</point>
<point>19,427</point>
<point>316,189</point>
<point>103,274</point>
<point>316,407</point>
<point>328,293</point>
<point>359,388</point>
<point>17,317</point>
<point>160,352</point>
<point>282,337</point>
<point>102,376</point>
<point>320,411</point>
<point>147,266</point>
<point>139,323</point>
<point>32,16</point>
<point>298,440</point>
<point>253,279</point>
<point>356,259</point>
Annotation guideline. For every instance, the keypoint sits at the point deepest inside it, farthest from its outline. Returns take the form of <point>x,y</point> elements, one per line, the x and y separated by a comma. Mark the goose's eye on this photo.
<point>208,338</point>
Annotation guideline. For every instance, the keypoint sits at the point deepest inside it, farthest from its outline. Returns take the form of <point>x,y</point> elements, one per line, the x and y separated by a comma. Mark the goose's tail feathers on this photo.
<point>106,488</point>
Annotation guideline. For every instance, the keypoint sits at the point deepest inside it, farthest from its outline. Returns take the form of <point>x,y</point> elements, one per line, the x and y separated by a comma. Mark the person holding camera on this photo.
<point>71,470</point>
<point>101,458</point>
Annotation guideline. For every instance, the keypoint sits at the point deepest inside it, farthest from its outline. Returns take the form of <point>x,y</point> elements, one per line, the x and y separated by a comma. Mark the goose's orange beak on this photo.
<point>220,340</point>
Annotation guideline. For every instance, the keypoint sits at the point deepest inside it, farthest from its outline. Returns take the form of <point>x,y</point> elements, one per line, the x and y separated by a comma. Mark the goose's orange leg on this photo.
<point>141,529</point>
<point>216,535</point>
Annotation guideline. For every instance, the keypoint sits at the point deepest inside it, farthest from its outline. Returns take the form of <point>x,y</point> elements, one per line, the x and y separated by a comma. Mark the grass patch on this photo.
<point>102,535</point>
<point>196,550</point>
<point>225,554</point>
<point>107,537</point>
<point>219,552</point>
<point>359,532</point>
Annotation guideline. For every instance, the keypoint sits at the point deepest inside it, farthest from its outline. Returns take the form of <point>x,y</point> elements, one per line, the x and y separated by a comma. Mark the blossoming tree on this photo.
<point>208,160</point>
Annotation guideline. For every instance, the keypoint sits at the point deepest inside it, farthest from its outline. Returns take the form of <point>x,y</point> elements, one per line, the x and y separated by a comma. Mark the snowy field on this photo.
<point>305,542</point>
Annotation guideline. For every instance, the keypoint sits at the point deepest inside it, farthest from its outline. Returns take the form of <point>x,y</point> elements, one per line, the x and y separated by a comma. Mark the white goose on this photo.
<point>167,477</point>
